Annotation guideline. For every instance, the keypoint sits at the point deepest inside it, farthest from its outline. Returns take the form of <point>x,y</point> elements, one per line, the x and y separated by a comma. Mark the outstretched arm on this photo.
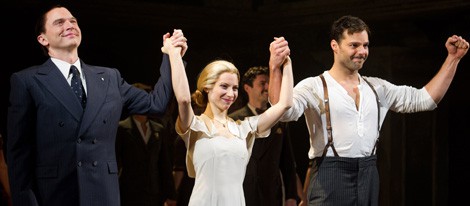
<point>279,50</point>
<point>272,115</point>
<point>174,47</point>
<point>457,47</point>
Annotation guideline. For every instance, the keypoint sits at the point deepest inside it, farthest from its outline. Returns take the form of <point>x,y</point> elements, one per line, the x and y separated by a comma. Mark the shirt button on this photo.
<point>79,164</point>
<point>95,163</point>
<point>79,140</point>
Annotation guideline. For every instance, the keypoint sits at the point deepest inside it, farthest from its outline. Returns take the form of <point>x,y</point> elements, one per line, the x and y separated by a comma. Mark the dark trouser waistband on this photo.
<point>345,162</point>
<point>344,181</point>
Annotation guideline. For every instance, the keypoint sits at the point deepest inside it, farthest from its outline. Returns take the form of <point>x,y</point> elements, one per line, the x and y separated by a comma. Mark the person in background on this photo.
<point>5,194</point>
<point>183,183</point>
<point>304,188</point>
<point>271,177</point>
<point>218,148</point>
<point>63,118</point>
<point>344,112</point>
<point>144,160</point>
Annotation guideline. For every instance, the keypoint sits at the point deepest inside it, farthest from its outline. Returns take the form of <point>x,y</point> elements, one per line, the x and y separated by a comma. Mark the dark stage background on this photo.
<point>422,156</point>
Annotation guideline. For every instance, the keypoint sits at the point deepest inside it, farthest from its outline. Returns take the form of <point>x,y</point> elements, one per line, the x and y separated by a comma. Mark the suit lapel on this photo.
<point>97,86</point>
<point>53,80</point>
<point>248,111</point>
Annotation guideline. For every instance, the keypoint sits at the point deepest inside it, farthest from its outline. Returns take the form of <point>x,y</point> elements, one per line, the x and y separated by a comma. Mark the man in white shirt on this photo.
<point>344,112</point>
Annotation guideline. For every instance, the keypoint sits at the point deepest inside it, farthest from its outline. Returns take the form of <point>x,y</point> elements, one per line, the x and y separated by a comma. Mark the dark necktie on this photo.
<point>260,111</point>
<point>77,86</point>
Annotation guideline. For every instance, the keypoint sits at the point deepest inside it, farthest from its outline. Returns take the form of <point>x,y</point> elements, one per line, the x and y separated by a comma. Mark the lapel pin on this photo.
<point>102,79</point>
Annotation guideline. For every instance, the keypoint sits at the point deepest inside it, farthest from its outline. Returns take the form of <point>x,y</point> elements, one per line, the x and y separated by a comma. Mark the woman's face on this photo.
<point>225,91</point>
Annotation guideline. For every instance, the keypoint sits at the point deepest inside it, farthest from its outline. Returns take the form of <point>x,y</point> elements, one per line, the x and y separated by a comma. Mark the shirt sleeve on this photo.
<point>306,95</point>
<point>402,98</point>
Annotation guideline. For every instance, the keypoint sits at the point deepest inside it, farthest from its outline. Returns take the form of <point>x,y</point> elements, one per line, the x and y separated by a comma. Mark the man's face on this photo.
<point>61,31</point>
<point>353,50</point>
<point>259,91</point>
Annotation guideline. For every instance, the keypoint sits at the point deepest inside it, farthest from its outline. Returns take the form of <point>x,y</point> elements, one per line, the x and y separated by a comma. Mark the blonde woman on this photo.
<point>218,147</point>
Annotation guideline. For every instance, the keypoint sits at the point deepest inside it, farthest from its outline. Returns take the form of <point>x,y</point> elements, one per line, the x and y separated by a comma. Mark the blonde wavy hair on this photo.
<point>207,78</point>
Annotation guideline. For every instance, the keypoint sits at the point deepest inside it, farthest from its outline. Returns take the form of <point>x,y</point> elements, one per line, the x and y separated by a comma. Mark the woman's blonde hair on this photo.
<point>207,78</point>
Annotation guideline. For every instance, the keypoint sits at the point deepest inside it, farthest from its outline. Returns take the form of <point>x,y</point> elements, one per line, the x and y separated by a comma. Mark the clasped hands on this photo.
<point>280,52</point>
<point>176,42</point>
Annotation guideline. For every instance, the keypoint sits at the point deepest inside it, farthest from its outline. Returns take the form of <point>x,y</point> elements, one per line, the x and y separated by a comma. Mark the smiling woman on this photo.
<point>219,148</point>
<point>418,27</point>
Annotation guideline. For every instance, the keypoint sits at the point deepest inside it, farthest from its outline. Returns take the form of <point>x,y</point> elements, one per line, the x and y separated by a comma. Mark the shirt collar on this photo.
<point>64,67</point>
<point>253,109</point>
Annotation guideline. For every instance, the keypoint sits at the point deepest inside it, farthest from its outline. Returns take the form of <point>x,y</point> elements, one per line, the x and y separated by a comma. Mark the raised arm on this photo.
<point>457,47</point>
<point>174,46</point>
<point>279,50</point>
<point>270,117</point>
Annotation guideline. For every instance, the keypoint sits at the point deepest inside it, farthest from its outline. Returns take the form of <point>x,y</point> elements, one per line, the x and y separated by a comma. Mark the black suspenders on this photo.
<point>329,128</point>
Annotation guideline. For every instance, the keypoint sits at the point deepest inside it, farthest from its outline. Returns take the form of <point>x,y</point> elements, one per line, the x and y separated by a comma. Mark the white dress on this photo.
<point>219,163</point>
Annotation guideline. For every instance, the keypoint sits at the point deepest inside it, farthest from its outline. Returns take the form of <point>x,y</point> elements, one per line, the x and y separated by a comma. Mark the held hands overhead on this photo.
<point>280,51</point>
<point>175,41</point>
<point>279,48</point>
<point>279,58</point>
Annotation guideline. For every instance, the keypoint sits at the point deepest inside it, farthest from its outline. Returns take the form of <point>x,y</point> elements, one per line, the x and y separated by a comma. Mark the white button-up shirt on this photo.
<point>355,131</point>
<point>64,68</point>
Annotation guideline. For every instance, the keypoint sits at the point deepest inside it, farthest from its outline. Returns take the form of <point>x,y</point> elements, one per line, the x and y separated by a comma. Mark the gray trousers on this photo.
<point>343,181</point>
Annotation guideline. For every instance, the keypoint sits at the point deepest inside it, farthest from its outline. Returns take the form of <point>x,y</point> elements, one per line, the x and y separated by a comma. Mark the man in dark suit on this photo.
<point>60,148</point>
<point>270,175</point>
<point>144,162</point>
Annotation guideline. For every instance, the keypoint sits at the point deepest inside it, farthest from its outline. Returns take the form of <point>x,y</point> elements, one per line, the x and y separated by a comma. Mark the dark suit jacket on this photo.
<point>146,177</point>
<point>59,154</point>
<point>270,156</point>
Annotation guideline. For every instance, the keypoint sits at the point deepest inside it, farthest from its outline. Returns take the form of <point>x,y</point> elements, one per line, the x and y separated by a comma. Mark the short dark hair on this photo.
<point>40,26</point>
<point>350,23</point>
<point>251,74</point>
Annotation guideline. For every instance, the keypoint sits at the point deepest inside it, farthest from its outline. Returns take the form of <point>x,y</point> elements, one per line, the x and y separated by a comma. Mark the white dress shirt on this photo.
<point>354,130</point>
<point>64,68</point>
<point>145,135</point>
<point>253,109</point>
